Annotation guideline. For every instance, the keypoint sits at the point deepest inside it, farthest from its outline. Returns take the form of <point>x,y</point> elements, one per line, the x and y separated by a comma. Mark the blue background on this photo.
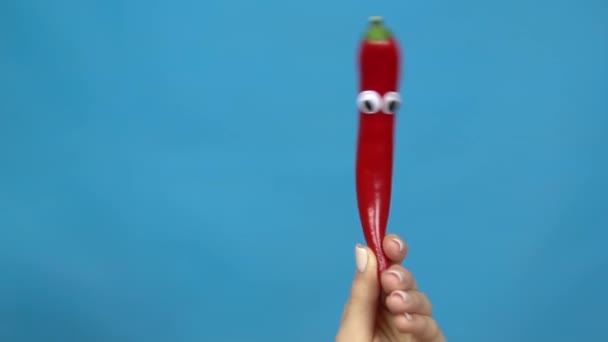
<point>183,170</point>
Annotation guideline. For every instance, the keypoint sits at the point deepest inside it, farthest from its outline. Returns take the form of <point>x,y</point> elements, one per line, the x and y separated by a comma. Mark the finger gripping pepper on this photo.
<point>377,101</point>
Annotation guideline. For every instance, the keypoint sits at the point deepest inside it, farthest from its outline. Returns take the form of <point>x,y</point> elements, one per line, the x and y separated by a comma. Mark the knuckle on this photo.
<point>428,306</point>
<point>430,329</point>
<point>409,276</point>
<point>360,292</point>
<point>357,293</point>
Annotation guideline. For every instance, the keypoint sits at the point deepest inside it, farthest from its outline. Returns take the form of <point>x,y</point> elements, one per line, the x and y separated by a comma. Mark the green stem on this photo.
<point>376,30</point>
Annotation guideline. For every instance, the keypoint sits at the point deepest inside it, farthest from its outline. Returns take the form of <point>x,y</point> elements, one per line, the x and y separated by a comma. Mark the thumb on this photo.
<point>359,317</point>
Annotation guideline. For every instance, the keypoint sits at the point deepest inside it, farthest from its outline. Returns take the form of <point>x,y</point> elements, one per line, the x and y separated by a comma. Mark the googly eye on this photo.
<point>391,103</point>
<point>369,102</point>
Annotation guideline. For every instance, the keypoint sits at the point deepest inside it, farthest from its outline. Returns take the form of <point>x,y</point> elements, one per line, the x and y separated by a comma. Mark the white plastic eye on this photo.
<point>391,103</point>
<point>369,102</point>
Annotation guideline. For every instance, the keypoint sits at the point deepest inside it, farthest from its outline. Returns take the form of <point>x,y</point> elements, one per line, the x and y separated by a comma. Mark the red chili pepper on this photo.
<point>378,100</point>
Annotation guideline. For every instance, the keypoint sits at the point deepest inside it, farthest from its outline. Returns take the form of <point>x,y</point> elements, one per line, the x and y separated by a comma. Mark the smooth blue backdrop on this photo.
<point>182,170</point>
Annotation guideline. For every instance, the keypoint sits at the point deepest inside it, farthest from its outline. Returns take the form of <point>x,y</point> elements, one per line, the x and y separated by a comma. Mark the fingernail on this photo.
<point>361,258</point>
<point>397,274</point>
<point>408,316</point>
<point>399,244</point>
<point>403,295</point>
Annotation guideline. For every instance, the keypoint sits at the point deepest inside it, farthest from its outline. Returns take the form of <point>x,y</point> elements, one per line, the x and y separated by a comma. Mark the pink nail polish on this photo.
<point>402,295</point>
<point>361,258</point>
<point>399,244</point>
<point>397,274</point>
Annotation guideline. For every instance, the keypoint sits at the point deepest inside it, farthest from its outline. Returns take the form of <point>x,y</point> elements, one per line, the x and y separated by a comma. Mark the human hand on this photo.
<point>389,310</point>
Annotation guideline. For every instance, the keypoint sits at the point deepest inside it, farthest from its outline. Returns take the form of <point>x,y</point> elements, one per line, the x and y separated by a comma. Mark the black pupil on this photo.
<point>392,106</point>
<point>368,105</point>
